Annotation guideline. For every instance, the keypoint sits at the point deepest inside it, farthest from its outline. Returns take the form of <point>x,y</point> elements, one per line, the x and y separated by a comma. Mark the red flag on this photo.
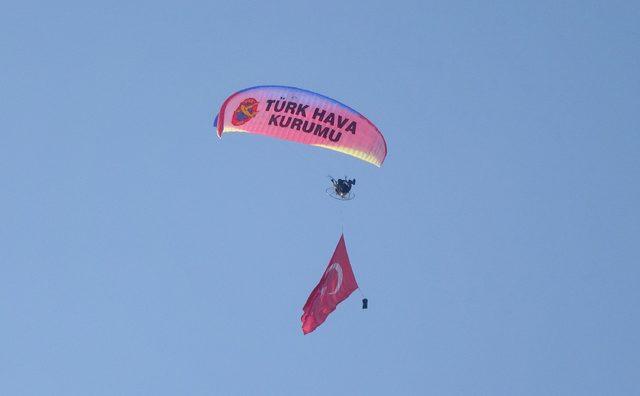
<point>336,284</point>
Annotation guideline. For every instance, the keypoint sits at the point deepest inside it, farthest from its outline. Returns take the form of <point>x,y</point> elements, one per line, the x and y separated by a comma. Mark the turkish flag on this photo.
<point>336,284</point>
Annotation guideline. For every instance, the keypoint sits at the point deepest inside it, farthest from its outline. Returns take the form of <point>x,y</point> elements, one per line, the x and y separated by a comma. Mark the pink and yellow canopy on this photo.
<point>302,116</point>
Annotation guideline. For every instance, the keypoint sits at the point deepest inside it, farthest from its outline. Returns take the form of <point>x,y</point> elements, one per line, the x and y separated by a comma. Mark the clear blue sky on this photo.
<point>499,244</point>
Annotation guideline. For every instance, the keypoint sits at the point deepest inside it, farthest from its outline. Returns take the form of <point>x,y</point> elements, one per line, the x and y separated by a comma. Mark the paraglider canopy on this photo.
<point>302,116</point>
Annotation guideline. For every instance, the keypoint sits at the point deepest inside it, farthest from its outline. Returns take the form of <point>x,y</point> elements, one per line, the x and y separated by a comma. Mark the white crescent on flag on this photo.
<point>336,266</point>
